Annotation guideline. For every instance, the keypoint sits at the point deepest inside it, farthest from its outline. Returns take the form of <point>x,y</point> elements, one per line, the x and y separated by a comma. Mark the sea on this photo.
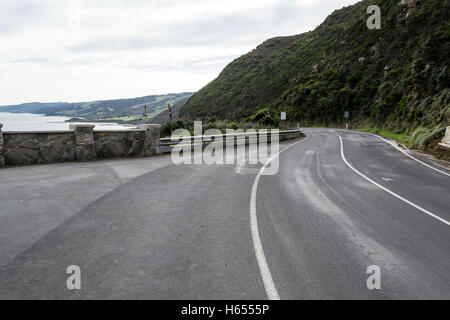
<point>39,122</point>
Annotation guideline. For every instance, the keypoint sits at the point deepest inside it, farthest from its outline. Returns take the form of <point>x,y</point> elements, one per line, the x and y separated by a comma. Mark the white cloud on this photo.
<point>80,50</point>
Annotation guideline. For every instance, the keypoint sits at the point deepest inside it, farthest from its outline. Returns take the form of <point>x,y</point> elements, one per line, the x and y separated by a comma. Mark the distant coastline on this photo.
<point>40,122</point>
<point>147,109</point>
<point>117,121</point>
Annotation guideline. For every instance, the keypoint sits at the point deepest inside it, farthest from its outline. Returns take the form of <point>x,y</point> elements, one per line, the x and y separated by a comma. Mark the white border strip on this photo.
<point>387,190</point>
<point>406,153</point>
<point>267,279</point>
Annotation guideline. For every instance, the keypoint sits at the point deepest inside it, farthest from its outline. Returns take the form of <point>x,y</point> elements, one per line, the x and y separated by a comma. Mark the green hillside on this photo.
<point>163,117</point>
<point>397,77</point>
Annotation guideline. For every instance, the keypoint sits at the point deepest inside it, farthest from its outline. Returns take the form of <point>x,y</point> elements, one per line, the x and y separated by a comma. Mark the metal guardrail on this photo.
<point>166,144</point>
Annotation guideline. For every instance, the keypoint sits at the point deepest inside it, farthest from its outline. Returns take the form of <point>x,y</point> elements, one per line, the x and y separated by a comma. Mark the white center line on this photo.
<point>387,190</point>
<point>267,279</point>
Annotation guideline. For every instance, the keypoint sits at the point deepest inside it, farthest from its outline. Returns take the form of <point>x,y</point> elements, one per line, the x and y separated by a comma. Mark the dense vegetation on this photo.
<point>395,78</point>
<point>122,110</point>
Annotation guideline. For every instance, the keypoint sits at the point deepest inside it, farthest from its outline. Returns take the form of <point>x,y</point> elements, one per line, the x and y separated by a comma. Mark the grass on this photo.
<point>422,138</point>
<point>402,138</point>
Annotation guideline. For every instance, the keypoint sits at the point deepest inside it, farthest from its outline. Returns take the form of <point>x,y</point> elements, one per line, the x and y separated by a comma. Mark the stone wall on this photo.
<point>84,142</point>
<point>80,143</point>
<point>36,148</point>
<point>110,144</point>
<point>152,134</point>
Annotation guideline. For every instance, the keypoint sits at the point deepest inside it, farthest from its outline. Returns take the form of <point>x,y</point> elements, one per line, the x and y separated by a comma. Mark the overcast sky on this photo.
<point>82,50</point>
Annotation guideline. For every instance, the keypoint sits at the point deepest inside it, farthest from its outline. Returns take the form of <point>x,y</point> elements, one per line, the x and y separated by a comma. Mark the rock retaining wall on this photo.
<point>80,143</point>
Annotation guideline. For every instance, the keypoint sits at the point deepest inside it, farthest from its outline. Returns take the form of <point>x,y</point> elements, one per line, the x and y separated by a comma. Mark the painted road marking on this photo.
<point>387,190</point>
<point>267,279</point>
<point>404,152</point>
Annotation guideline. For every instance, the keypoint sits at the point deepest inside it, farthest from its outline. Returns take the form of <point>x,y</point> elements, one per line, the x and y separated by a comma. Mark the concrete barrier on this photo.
<point>446,140</point>
<point>80,143</point>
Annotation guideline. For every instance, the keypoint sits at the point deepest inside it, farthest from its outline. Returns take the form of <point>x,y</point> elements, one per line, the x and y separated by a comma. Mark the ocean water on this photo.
<point>37,122</point>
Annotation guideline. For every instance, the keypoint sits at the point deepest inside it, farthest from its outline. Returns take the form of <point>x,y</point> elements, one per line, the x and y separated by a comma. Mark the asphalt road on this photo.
<point>148,229</point>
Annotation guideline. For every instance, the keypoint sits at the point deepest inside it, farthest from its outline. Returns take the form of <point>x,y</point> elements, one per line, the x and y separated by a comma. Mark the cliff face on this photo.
<point>396,77</point>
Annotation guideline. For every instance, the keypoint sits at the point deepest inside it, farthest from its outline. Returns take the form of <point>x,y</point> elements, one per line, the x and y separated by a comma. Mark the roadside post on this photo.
<point>283,118</point>
<point>346,116</point>
<point>170,118</point>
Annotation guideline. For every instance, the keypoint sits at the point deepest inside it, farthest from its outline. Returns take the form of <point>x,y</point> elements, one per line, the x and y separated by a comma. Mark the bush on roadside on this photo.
<point>425,139</point>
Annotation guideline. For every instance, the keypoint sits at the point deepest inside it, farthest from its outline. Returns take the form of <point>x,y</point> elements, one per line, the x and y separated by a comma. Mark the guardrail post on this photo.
<point>84,141</point>
<point>151,140</point>
<point>2,143</point>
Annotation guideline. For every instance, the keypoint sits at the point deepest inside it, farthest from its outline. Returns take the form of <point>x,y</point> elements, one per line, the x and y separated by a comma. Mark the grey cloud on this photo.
<point>26,24</point>
<point>242,28</point>
<point>188,65</point>
<point>50,61</point>
<point>236,29</point>
<point>26,14</point>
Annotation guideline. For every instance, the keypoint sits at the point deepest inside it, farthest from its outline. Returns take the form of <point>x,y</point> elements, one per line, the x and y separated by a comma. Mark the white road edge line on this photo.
<point>387,190</point>
<point>406,153</point>
<point>266,276</point>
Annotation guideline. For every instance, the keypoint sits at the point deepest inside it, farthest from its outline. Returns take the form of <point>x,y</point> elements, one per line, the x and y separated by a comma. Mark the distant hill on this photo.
<point>34,107</point>
<point>396,77</point>
<point>126,110</point>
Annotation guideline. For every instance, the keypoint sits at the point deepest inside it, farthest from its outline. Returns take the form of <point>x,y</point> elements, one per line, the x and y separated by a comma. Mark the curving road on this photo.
<point>147,229</point>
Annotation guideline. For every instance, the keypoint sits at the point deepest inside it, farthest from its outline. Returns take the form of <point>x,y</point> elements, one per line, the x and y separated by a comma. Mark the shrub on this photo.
<point>422,138</point>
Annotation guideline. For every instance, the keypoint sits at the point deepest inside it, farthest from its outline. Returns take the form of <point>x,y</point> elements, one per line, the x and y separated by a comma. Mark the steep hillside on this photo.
<point>397,77</point>
<point>119,109</point>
